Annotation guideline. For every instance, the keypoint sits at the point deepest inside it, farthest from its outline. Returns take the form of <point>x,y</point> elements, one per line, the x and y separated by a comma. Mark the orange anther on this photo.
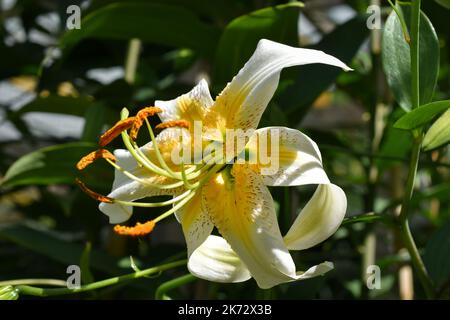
<point>94,195</point>
<point>139,119</point>
<point>94,155</point>
<point>173,124</point>
<point>140,229</point>
<point>117,129</point>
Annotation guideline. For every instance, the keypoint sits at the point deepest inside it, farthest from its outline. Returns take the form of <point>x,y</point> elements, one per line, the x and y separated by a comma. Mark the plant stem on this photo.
<point>414,53</point>
<point>413,165</point>
<point>39,282</point>
<point>44,292</point>
<point>416,259</point>
<point>131,62</point>
<point>160,293</point>
<point>405,231</point>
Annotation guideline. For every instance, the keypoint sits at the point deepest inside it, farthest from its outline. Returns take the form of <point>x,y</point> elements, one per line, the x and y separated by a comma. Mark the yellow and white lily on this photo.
<point>234,198</point>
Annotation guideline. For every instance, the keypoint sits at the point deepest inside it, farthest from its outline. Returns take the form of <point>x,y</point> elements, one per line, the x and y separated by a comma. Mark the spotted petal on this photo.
<point>245,217</point>
<point>195,221</point>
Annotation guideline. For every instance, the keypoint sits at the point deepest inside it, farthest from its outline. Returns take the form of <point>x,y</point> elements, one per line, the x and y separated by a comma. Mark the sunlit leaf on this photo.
<point>50,165</point>
<point>397,61</point>
<point>421,115</point>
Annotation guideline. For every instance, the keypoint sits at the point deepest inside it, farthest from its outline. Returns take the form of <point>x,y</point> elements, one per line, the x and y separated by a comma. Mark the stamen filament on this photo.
<point>143,181</point>
<point>190,196</point>
<point>94,195</point>
<point>174,208</point>
<point>154,204</point>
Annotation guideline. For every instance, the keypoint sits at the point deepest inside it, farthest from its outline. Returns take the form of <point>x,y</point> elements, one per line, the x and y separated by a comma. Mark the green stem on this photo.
<point>160,293</point>
<point>131,62</point>
<point>39,282</point>
<point>414,53</point>
<point>44,292</point>
<point>413,165</point>
<point>416,260</point>
<point>407,237</point>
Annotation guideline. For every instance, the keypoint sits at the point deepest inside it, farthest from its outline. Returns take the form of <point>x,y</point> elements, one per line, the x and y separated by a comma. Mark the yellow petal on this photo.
<point>242,209</point>
<point>196,223</point>
<point>190,106</point>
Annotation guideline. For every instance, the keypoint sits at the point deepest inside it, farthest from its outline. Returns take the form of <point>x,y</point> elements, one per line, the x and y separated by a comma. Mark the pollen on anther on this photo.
<point>140,229</point>
<point>139,119</point>
<point>94,195</point>
<point>94,155</point>
<point>117,129</point>
<point>173,124</point>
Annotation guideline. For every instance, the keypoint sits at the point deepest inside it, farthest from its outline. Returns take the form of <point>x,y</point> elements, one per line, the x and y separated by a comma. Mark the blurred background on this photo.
<point>68,67</point>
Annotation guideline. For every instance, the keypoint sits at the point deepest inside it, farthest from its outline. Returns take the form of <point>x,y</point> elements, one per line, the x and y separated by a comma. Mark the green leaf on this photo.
<point>49,244</point>
<point>439,132</point>
<point>365,218</point>
<point>57,104</point>
<point>444,3</point>
<point>396,143</point>
<point>50,165</point>
<point>95,119</point>
<point>85,264</point>
<point>397,61</point>
<point>240,37</point>
<point>437,257</point>
<point>154,23</point>
<point>421,115</point>
<point>311,80</point>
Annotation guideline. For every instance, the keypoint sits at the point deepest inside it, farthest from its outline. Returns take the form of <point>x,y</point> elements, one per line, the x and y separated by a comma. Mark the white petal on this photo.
<point>296,162</point>
<point>245,98</point>
<point>215,261</point>
<point>242,209</point>
<point>315,271</point>
<point>319,219</point>
<point>196,223</point>
<point>190,106</point>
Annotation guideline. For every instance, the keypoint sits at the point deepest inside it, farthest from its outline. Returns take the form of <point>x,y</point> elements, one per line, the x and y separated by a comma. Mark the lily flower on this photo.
<point>231,196</point>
